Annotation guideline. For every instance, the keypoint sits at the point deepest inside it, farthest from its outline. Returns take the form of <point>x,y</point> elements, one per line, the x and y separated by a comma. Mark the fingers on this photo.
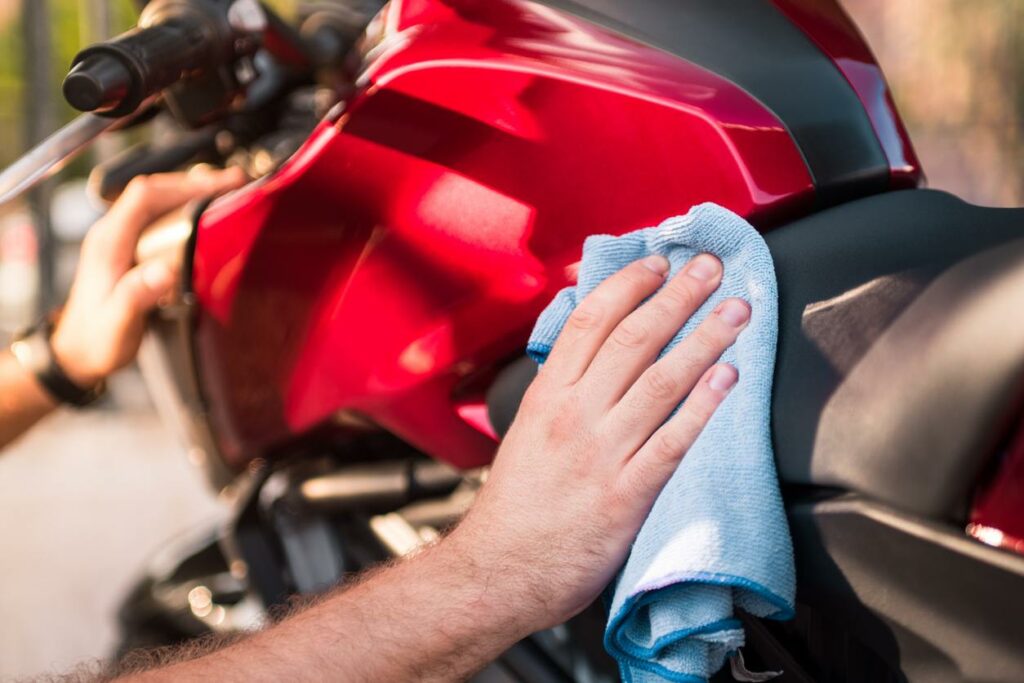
<point>597,315</point>
<point>136,293</point>
<point>639,338</point>
<point>147,198</point>
<point>649,470</point>
<point>664,384</point>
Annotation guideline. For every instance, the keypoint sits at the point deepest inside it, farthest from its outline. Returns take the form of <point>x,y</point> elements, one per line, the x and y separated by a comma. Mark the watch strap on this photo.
<point>33,351</point>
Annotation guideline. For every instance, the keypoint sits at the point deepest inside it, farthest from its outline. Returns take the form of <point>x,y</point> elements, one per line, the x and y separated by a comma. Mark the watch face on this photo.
<point>32,352</point>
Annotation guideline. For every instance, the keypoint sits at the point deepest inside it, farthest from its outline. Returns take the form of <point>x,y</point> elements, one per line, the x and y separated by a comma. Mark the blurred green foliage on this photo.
<point>70,31</point>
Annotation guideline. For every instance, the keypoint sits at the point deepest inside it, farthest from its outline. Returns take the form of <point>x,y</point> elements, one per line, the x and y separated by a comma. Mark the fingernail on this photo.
<point>157,276</point>
<point>723,377</point>
<point>201,171</point>
<point>704,267</point>
<point>734,312</point>
<point>658,264</point>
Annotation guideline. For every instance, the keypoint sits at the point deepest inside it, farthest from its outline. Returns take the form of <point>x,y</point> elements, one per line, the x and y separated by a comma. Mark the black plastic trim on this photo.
<point>895,373</point>
<point>929,602</point>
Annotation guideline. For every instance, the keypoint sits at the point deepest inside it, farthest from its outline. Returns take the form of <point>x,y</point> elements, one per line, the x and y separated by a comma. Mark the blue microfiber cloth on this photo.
<point>716,538</point>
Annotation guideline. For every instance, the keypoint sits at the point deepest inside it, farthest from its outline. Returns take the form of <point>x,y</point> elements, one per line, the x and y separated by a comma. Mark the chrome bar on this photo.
<point>52,154</point>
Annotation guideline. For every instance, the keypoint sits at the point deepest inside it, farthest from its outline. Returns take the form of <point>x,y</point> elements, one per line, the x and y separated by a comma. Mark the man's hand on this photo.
<point>101,327</point>
<point>590,448</point>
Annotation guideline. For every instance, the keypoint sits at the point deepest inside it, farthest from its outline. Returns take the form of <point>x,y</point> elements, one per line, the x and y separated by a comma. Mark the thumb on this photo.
<point>139,290</point>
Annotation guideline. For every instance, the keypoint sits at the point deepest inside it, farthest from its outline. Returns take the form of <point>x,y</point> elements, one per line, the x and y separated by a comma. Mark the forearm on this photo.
<point>596,437</point>
<point>23,402</point>
<point>439,616</point>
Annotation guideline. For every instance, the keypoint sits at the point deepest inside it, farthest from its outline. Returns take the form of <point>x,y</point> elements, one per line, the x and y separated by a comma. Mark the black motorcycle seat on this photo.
<point>901,347</point>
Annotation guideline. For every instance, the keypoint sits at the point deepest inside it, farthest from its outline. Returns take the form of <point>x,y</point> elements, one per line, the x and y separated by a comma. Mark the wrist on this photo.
<point>72,360</point>
<point>31,393</point>
<point>33,349</point>
<point>500,582</point>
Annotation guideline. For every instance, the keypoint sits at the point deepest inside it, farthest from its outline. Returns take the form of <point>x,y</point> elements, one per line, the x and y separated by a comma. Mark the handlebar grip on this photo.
<point>115,77</point>
<point>97,83</point>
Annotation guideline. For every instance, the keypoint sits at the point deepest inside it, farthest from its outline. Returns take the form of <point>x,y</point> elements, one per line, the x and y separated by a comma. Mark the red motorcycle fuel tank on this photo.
<point>402,255</point>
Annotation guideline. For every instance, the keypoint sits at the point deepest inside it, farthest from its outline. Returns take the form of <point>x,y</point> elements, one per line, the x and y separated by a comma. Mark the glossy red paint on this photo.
<point>407,248</point>
<point>998,514</point>
<point>835,34</point>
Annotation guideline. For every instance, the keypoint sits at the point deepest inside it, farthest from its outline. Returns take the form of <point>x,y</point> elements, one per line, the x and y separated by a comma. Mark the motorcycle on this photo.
<point>346,347</point>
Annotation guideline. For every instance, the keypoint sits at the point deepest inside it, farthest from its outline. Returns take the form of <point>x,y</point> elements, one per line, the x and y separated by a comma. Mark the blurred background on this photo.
<point>88,499</point>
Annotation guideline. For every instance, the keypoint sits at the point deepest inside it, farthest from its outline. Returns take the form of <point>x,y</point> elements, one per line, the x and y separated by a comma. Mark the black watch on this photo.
<point>32,349</point>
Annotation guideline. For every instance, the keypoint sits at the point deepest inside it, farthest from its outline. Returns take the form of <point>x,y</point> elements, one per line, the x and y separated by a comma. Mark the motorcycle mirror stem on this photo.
<point>53,153</point>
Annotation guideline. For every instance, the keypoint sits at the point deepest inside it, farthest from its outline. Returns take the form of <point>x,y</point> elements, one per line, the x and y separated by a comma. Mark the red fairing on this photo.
<point>825,22</point>
<point>998,514</point>
<point>404,253</point>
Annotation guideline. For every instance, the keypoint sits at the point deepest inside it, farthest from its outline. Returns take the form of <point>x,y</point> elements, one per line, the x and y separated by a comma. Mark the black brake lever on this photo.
<point>109,179</point>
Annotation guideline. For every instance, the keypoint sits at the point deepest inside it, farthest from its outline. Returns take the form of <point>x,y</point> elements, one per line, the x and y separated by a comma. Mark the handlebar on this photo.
<point>209,44</point>
<point>175,39</point>
<point>116,77</point>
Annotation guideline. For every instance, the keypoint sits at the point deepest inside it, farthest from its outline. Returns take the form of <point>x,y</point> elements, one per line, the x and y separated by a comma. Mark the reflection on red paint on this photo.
<point>406,250</point>
<point>476,416</point>
<point>998,514</point>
